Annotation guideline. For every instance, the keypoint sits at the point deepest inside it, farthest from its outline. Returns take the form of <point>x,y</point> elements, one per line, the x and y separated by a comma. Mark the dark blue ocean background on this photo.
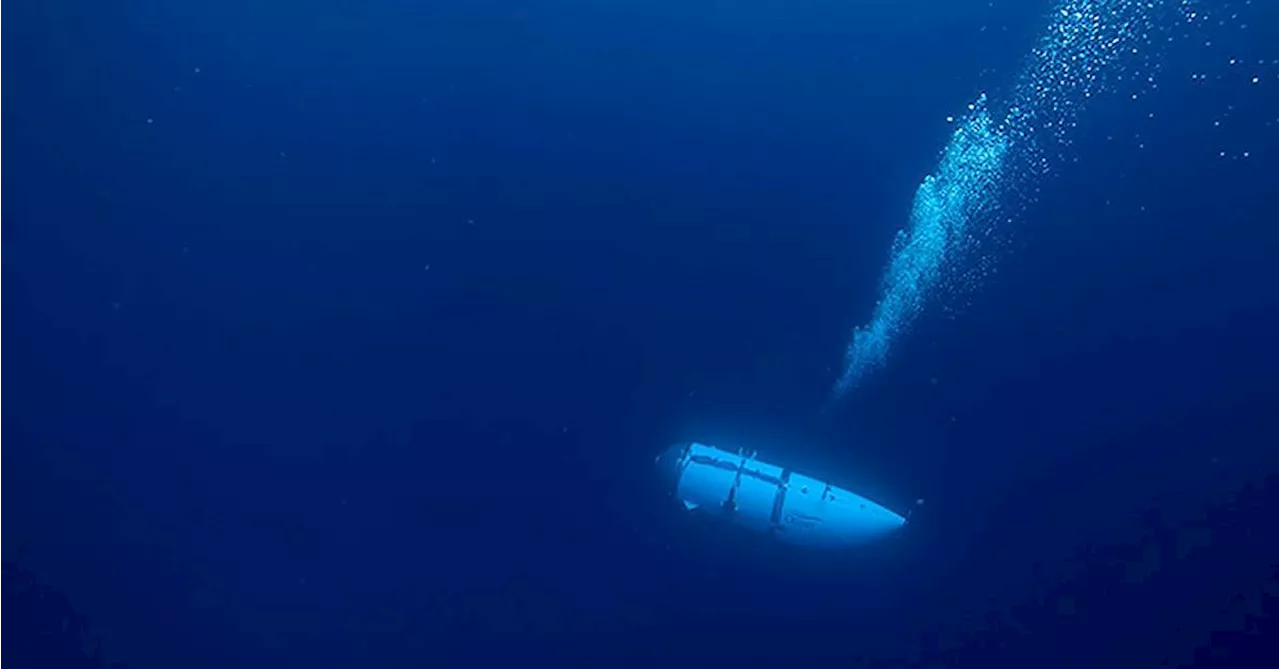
<point>343,333</point>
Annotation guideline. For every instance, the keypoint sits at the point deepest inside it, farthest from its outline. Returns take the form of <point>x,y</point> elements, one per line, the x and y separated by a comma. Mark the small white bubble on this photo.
<point>1255,80</point>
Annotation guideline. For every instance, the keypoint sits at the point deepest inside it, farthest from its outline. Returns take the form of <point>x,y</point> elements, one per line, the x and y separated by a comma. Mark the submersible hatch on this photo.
<point>769,499</point>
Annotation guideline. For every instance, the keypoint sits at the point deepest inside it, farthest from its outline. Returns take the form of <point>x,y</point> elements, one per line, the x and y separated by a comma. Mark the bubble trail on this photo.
<point>946,201</point>
<point>985,161</point>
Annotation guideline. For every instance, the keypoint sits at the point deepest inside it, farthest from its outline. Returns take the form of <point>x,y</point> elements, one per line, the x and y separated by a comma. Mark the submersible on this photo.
<point>770,499</point>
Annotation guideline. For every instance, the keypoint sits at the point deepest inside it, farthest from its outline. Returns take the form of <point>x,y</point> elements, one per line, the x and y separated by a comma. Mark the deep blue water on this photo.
<point>343,334</point>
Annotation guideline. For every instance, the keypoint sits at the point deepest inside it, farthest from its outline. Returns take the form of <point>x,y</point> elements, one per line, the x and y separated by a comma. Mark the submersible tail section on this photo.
<point>792,507</point>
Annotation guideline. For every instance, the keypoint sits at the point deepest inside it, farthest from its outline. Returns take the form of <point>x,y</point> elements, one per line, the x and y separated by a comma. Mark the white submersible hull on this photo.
<point>792,507</point>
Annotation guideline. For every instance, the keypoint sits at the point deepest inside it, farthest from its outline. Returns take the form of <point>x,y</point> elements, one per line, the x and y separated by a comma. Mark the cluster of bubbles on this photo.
<point>945,203</point>
<point>991,157</point>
